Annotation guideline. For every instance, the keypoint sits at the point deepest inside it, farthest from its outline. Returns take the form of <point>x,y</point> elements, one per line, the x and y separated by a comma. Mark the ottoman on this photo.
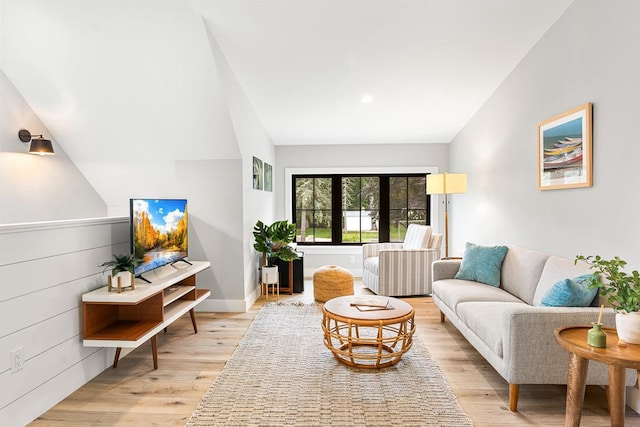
<point>331,281</point>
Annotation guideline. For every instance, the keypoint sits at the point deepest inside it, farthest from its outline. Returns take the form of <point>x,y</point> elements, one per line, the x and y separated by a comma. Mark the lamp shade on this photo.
<point>41,146</point>
<point>447,183</point>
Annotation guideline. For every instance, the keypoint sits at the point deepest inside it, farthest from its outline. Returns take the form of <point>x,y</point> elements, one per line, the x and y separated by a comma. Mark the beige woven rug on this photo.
<point>281,374</point>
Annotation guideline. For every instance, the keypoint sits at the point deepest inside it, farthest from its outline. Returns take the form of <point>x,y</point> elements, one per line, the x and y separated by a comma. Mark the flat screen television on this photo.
<point>159,232</point>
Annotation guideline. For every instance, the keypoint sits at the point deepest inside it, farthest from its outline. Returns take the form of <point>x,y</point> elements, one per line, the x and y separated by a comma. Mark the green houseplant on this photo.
<point>273,241</point>
<point>121,269</point>
<point>622,291</point>
<point>121,263</point>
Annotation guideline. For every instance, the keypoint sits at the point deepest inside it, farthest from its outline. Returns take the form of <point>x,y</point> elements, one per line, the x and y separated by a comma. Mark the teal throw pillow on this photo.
<point>570,293</point>
<point>482,264</point>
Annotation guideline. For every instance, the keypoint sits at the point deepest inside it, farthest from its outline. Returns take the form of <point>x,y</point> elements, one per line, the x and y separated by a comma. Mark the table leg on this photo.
<point>575,389</point>
<point>617,394</point>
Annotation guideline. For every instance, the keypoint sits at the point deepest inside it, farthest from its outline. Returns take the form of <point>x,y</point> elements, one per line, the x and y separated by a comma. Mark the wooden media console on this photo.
<point>132,317</point>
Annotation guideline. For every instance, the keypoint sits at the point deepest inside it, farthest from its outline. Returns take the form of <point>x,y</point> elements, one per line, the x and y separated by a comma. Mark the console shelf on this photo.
<point>132,317</point>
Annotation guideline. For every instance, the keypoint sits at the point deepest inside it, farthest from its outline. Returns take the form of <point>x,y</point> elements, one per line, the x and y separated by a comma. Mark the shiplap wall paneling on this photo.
<point>44,270</point>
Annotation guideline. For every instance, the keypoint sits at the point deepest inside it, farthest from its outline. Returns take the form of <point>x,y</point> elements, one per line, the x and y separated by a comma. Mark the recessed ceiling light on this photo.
<point>366,99</point>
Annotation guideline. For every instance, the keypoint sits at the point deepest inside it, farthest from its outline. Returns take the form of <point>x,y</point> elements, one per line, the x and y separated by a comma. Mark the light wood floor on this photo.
<point>135,394</point>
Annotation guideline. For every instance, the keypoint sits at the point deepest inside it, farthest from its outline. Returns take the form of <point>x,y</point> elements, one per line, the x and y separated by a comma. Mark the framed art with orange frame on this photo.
<point>565,150</point>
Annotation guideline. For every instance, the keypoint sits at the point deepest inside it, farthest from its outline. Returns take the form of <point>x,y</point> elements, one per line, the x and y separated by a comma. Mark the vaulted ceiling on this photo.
<point>113,75</point>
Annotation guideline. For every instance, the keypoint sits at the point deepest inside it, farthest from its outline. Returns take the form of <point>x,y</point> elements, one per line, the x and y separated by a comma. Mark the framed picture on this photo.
<point>564,150</point>
<point>268,177</point>
<point>257,173</point>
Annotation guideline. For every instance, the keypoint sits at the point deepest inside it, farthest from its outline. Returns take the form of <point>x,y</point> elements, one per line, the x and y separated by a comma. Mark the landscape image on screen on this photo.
<point>159,232</point>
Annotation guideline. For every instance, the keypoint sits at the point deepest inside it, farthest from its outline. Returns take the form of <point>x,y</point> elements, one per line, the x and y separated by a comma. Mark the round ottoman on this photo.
<point>331,281</point>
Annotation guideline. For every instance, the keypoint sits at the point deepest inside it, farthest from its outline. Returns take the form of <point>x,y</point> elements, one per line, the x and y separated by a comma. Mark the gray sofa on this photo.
<point>508,327</point>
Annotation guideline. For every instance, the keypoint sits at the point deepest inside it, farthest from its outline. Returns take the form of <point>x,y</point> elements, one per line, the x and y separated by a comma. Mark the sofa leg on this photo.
<point>514,389</point>
<point>442,319</point>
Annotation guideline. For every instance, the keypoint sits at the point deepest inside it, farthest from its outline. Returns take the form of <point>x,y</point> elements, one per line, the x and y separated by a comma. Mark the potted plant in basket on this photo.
<point>122,269</point>
<point>622,291</point>
<point>273,241</point>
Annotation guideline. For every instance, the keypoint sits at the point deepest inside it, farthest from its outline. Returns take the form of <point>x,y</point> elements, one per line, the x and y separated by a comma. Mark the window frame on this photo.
<point>433,206</point>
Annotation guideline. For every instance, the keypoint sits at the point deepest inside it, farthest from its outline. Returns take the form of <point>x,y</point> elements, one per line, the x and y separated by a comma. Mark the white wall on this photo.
<point>590,55</point>
<point>139,133</point>
<point>37,188</point>
<point>405,158</point>
<point>44,270</point>
<point>253,140</point>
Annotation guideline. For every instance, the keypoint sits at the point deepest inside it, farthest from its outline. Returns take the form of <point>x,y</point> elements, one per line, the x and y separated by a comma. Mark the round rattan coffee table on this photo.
<point>366,336</point>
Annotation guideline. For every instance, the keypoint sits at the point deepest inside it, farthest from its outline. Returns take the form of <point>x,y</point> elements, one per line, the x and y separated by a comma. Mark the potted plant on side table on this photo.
<point>273,241</point>
<point>122,269</point>
<point>622,291</point>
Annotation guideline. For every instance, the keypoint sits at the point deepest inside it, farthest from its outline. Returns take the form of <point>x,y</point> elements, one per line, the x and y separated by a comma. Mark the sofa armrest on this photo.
<point>528,332</point>
<point>373,249</point>
<point>445,268</point>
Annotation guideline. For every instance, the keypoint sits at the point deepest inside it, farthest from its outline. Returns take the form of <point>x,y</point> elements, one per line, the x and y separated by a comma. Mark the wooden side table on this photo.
<point>574,340</point>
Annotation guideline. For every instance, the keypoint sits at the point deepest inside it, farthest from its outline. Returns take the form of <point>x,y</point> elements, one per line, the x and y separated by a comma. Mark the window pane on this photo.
<point>370,212</point>
<point>370,226</point>
<point>397,192</point>
<point>304,232</point>
<point>417,192</point>
<point>350,209</point>
<point>351,193</point>
<point>322,225</point>
<point>304,193</point>
<point>370,192</point>
<point>322,193</point>
<point>397,225</point>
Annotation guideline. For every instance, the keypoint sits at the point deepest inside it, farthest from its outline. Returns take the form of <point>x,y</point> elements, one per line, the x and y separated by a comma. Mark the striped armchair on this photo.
<point>402,269</point>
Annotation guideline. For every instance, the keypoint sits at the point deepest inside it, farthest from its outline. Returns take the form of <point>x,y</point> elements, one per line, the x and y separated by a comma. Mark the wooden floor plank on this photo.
<point>135,394</point>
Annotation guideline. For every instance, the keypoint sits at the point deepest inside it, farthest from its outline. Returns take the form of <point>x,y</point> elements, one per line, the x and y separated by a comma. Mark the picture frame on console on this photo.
<point>565,150</point>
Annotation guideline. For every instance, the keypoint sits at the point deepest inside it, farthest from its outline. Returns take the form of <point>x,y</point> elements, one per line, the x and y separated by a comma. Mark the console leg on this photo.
<point>193,320</point>
<point>442,318</point>
<point>154,351</point>
<point>117,356</point>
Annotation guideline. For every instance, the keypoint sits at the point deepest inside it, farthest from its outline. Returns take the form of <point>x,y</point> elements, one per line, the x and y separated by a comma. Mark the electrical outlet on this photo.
<point>17,359</point>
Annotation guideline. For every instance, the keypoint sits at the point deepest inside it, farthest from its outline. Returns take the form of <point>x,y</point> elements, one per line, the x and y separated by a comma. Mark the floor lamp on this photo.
<point>446,183</point>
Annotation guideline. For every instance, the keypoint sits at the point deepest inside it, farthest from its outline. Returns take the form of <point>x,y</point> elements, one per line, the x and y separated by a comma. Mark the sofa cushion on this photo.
<point>482,263</point>
<point>570,293</point>
<point>417,236</point>
<point>454,291</point>
<point>521,272</point>
<point>556,269</point>
<point>485,320</point>
<point>371,264</point>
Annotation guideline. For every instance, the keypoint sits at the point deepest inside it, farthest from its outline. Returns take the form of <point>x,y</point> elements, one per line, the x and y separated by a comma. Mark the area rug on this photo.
<point>281,374</point>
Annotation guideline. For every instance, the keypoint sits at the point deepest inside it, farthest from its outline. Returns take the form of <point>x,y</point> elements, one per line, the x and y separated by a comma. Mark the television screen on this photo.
<point>159,231</point>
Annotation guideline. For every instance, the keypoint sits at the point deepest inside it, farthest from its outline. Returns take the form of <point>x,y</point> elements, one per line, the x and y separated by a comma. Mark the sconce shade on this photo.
<point>41,146</point>
<point>447,183</point>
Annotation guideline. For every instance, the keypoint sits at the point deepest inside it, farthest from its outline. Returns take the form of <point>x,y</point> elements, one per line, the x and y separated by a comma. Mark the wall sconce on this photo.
<point>39,145</point>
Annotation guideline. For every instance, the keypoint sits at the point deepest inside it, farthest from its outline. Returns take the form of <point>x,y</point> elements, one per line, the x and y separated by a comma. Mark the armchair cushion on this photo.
<point>417,237</point>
